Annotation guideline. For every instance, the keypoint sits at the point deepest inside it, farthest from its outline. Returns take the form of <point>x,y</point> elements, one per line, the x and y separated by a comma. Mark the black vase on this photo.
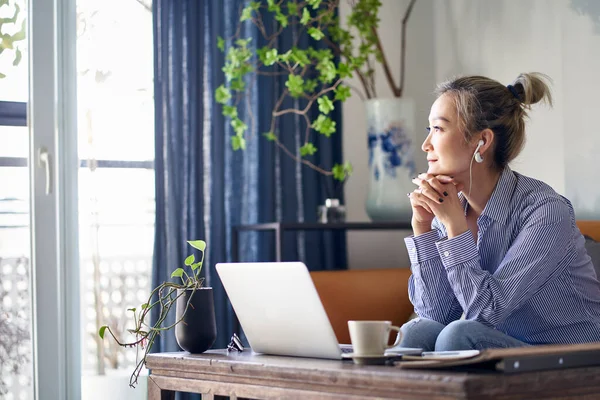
<point>198,329</point>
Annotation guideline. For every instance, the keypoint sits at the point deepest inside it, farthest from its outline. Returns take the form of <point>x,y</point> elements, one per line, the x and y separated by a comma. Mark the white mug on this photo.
<point>370,338</point>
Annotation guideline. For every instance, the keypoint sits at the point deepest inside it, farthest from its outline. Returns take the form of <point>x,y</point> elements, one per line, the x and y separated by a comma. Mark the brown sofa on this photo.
<point>378,294</point>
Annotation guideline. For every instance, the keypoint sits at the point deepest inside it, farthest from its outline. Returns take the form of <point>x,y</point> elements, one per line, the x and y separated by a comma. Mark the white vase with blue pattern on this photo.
<point>392,142</point>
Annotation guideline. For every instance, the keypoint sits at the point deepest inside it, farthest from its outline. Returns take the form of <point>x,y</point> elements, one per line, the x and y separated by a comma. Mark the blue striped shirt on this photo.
<point>527,275</point>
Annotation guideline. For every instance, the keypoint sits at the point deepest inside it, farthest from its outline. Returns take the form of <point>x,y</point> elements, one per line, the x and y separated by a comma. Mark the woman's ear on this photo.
<point>487,135</point>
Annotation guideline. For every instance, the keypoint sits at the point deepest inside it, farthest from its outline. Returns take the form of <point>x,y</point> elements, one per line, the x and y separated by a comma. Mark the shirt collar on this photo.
<point>498,205</point>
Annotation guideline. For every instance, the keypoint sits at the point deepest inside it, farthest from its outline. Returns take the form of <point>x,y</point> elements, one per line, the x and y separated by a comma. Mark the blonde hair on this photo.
<point>483,103</point>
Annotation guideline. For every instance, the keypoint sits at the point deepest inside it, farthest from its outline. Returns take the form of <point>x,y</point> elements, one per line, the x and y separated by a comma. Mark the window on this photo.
<point>16,366</point>
<point>116,181</point>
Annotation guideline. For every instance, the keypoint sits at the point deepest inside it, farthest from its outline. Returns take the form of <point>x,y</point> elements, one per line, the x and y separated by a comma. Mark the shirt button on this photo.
<point>446,253</point>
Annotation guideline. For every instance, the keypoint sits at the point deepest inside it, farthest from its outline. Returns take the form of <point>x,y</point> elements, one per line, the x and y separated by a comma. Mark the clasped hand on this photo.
<point>437,196</point>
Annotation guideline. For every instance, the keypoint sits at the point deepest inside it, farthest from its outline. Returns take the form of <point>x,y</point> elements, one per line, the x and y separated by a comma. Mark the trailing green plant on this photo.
<point>12,31</point>
<point>164,296</point>
<point>316,75</point>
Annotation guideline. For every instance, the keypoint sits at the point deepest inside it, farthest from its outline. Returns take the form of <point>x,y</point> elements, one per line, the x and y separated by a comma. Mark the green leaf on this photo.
<point>238,85</point>
<point>325,105</point>
<point>285,57</point>
<point>344,70</point>
<point>305,16</point>
<point>246,13</point>
<point>230,111</point>
<point>295,85</point>
<point>189,260</point>
<point>239,126</point>
<point>308,150</point>
<point>220,43</point>
<point>282,19</point>
<point>2,75</point>
<point>271,57</point>
<point>324,125</point>
<point>300,56</point>
<point>197,244</point>
<point>327,71</point>
<point>132,309</point>
<point>243,43</point>
<point>101,331</point>
<point>238,142</point>
<point>18,56</point>
<point>144,306</point>
<point>222,94</point>
<point>178,273</point>
<point>292,8</point>
<point>314,3</point>
<point>272,6</point>
<point>310,85</point>
<point>341,172</point>
<point>255,5</point>
<point>315,33</point>
<point>342,93</point>
<point>196,265</point>
<point>270,136</point>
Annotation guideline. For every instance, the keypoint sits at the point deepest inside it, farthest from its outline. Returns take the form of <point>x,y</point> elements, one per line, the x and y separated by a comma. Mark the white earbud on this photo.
<point>477,156</point>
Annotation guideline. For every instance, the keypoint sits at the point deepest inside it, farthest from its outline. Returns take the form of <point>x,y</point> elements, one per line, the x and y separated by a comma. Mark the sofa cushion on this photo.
<point>593,250</point>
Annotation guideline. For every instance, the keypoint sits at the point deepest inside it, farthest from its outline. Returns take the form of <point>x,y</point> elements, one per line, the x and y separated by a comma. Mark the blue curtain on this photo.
<point>203,187</point>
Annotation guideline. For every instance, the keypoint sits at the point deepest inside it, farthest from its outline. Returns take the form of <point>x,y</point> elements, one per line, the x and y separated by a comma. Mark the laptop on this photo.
<point>280,311</point>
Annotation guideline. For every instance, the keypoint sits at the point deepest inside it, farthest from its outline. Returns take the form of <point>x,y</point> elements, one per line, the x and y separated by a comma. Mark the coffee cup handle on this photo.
<point>398,338</point>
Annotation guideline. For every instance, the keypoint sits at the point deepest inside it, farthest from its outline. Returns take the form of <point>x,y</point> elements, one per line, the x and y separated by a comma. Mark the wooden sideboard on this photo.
<point>246,375</point>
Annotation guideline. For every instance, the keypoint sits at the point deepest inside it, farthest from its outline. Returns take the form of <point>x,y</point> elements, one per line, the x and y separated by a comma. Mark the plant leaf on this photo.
<point>239,127</point>
<point>270,136</point>
<point>342,93</point>
<point>190,260</point>
<point>325,104</point>
<point>295,85</point>
<point>197,244</point>
<point>196,265</point>
<point>271,57</point>
<point>132,309</point>
<point>101,331</point>
<point>246,13</point>
<point>308,150</point>
<point>292,8</point>
<point>238,143</point>
<point>18,56</point>
<point>341,172</point>
<point>314,3</point>
<point>144,306</point>
<point>316,33</point>
<point>178,273</point>
<point>220,43</point>
<point>305,16</point>
<point>324,125</point>
<point>222,94</point>
<point>230,111</point>
<point>282,19</point>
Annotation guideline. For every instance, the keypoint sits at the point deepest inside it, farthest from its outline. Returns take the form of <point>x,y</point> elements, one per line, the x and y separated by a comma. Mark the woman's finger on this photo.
<point>445,179</point>
<point>427,190</point>
<point>417,201</point>
<point>438,186</point>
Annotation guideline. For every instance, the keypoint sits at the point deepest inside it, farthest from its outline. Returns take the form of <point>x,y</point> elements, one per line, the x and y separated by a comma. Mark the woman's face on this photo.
<point>447,152</point>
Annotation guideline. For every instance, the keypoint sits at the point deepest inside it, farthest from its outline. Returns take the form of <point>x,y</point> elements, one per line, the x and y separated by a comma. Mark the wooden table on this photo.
<point>247,375</point>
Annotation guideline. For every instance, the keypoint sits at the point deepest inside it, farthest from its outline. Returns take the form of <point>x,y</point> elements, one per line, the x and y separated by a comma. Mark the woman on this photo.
<point>499,247</point>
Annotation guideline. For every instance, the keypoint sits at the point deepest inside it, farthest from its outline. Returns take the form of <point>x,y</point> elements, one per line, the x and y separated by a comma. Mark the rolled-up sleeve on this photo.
<point>428,287</point>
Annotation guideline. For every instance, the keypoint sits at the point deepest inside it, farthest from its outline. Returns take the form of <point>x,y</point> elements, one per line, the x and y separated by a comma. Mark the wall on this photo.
<point>388,245</point>
<point>499,39</point>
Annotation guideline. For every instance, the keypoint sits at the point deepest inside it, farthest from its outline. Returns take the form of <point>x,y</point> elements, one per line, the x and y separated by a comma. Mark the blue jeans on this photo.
<point>457,335</point>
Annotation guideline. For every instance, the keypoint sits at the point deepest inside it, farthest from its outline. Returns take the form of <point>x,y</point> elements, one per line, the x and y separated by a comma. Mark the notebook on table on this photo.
<point>512,360</point>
